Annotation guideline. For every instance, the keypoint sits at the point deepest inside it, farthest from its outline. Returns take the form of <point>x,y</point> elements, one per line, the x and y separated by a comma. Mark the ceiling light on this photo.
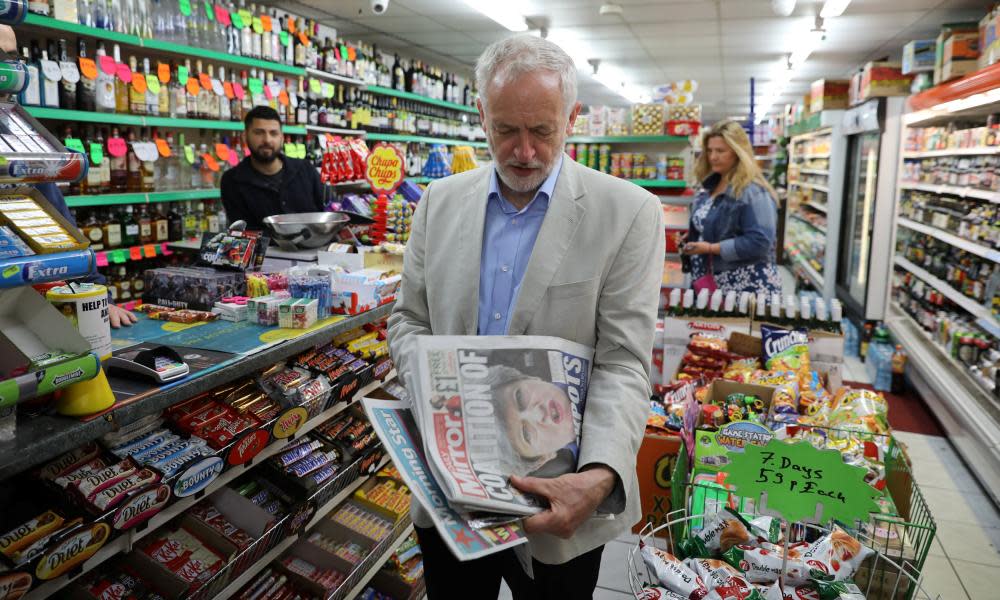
<point>783,8</point>
<point>502,14</point>
<point>805,46</point>
<point>833,8</point>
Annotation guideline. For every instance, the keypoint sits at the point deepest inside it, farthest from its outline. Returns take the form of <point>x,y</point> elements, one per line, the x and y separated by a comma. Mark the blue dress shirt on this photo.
<point>508,238</point>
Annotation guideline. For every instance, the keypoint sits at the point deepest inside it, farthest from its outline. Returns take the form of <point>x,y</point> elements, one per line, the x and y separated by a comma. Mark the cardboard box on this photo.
<point>961,45</point>
<point>711,447</point>
<point>880,79</point>
<point>989,42</point>
<point>654,467</point>
<point>947,30</point>
<point>953,69</point>
<point>827,94</point>
<point>918,56</point>
<point>31,327</point>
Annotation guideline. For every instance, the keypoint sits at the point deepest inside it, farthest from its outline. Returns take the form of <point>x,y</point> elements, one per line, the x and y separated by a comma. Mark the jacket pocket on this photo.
<point>566,291</point>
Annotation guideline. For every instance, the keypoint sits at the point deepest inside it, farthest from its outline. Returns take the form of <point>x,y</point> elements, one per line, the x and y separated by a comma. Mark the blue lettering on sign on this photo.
<point>198,476</point>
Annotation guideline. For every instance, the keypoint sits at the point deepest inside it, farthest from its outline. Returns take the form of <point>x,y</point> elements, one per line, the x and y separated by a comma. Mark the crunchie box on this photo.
<point>880,79</point>
<point>827,94</point>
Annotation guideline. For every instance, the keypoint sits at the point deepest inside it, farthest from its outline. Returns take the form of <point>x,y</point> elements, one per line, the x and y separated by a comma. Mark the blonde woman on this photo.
<point>732,230</point>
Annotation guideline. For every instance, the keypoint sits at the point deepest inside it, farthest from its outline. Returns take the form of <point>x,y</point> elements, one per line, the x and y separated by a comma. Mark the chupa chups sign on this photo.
<point>384,168</point>
<point>801,483</point>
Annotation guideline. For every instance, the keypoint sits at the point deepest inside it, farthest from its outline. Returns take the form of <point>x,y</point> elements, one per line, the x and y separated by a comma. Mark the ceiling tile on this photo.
<point>441,38</point>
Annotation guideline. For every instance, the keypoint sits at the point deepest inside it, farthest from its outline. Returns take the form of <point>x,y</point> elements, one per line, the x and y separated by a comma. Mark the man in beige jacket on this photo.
<point>535,244</point>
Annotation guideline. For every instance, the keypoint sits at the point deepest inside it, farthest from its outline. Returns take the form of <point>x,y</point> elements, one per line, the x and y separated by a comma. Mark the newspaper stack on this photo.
<point>483,409</point>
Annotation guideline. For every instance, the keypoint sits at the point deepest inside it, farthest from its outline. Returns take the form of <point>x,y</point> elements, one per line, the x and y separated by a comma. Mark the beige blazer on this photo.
<point>594,278</point>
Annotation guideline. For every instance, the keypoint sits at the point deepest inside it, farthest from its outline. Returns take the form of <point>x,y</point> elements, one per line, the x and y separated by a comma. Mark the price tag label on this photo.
<point>284,38</point>
<point>135,253</point>
<point>149,250</point>
<point>802,483</point>
<point>163,148</point>
<point>182,74</point>
<point>124,72</point>
<point>283,98</point>
<point>210,162</point>
<point>185,7</point>
<point>217,88</point>
<point>88,68</point>
<point>315,86</point>
<point>107,64</point>
<point>238,90</point>
<point>102,259</point>
<point>237,19</point>
<point>74,144</point>
<point>300,150</point>
<point>222,151</point>
<point>192,86</point>
<point>163,72</point>
<point>265,22</point>
<point>290,149</point>
<point>222,15</point>
<point>146,151</point>
<point>139,83</point>
<point>69,71</point>
<point>209,11</point>
<point>343,51</point>
<point>189,154</point>
<point>258,26</point>
<point>117,147</point>
<point>153,83</point>
<point>246,18</point>
<point>352,53</point>
<point>233,159</point>
<point>267,93</point>
<point>256,86</point>
<point>50,69</point>
<point>96,153</point>
<point>227,87</point>
<point>205,80</point>
<point>304,39</point>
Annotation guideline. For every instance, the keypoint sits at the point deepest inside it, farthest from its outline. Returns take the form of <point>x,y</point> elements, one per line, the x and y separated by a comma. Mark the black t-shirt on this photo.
<point>251,196</point>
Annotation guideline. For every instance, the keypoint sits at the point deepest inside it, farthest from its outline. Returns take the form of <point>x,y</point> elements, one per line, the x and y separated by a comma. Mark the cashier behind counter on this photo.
<point>117,315</point>
<point>267,182</point>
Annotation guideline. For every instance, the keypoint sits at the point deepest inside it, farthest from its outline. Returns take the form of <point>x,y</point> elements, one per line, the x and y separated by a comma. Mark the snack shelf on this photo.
<point>808,223</point>
<point>128,539</point>
<point>962,192</point>
<point>252,571</point>
<point>43,268</point>
<point>342,495</point>
<point>336,130</point>
<point>951,238</point>
<point>660,183</point>
<point>815,172</point>
<point>368,567</point>
<point>139,198</point>
<point>398,137</point>
<point>815,206</point>
<point>812,186</point>
<point>153,44</point>
<point>627,139</point>
<point>984,318</point>
<point>45,437</point>
<point>62,114</point>
<point>333,77</point>
<point>981,151</point>
<point>375,89</point>
<point>968,414</point>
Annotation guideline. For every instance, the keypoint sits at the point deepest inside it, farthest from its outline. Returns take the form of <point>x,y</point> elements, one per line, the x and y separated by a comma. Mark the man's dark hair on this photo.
<point>261,112</point>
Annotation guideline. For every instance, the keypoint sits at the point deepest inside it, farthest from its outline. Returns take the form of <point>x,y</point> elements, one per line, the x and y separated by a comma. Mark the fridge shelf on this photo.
<point>951,238</point>
<point>815,206</point>
<point>808,223</point>
<point>952,190</point>
<point>980,151</point>
<point>980,311</point>
<point>812,186</point>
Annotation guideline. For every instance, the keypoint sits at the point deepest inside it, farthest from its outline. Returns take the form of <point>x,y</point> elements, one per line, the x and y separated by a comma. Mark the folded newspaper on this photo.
<point>486,407</point>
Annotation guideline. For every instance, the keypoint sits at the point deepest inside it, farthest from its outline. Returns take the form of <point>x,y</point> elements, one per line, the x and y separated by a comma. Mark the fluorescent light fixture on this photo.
<point>805,46</point>
<point>833,8</point>
<point>607,74</point>
<point>503,14</point>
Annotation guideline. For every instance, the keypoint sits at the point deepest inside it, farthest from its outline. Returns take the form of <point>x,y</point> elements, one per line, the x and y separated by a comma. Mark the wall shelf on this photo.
<point>397,137</point>
<point>375,89</point>
<point>62,114</point>
<point>952,239</point>
<point>140,198</point>
<point>628,139</point>
<point>660,183</point>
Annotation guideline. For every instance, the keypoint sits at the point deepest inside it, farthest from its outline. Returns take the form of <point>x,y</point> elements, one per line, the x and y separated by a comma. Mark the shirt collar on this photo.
<point>712,180</point>
<point>545,191</point>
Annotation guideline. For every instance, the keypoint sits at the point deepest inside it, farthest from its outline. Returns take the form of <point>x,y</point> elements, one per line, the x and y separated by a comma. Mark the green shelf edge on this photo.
<point>627,139</point>
<point>418,98</point>
<point>659,183</point>
<point>62,114</point>
<point>396,137</point>
<point>153,44</point>
<point>139,198</point>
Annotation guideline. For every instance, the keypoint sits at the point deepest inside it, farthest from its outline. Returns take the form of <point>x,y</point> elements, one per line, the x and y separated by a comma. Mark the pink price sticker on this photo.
<point>222,16</point>
<point>124,73</point>
<point>238,90</point>
<point>117,147</point>
<point>233,159</point>
<point>267,93</point>
<point>164,250</point>
<point>108,65</point>
<point>102,259</point>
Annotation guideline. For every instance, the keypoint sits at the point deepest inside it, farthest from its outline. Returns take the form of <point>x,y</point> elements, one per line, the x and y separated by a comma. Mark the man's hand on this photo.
<point>573,498</point>
<point>119,316</point>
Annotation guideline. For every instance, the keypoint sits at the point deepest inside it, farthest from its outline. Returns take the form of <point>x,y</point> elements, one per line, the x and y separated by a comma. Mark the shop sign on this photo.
<point>384,168</point>
<point>198,476</point>
<point>141,507</point>
<point>72,551</point>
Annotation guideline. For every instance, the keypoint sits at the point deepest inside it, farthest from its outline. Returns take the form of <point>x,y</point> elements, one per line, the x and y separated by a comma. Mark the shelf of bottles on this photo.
<point>806,225</point>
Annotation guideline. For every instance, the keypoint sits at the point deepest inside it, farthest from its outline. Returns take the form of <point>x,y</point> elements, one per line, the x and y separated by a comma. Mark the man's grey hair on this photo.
<point>514,56</point>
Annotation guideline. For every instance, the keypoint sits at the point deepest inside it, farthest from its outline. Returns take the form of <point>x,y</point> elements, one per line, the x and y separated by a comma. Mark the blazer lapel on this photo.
<point>470,253</point>
<point>554,239</point>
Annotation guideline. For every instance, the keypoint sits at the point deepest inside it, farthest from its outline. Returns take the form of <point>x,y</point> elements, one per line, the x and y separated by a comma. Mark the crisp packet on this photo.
<point>785,349</point>
<point>658,593</point>
<point>838,590</point>
<point>673,574</point>
<point>812,393</point>
<point>763,564</point>
<point>767,529</point>
<point>722,531</point>
<point>836,556</point>
<point>723,580</point>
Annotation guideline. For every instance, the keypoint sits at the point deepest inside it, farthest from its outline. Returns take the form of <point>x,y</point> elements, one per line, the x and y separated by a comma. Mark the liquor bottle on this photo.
<point>212,100</point>
<point>134,166</point>
<point>290,48</point>
<point>745,304</point>
<point>112,230</point>
<point>246,35</point>
<point>175,223</point>
<point>138,284</point>
<point>204,96</point>
<point>164,97</point>
<point>821,314</point>
<point>123,281</point>
<point>805,313</point>
<point>119,168</point>
<point>161,225</point>
<point>255,38</point>
<point>301,51</point>
<point>67,87</point>
<point>761,303</point>
<point>152,100</point>
<point>247,102</point>
<point>191,101</point>
<point>207,180</point>
<point>235,104</point>
<point>104,168</point>
<point>701,304</point>
<point>104,87</point>
<point>836,316</point>
<point>32,93</point>
<point>273,102</point>
<point>168,172</point>
<point>122,104</point>
<point>775,312</point>
<point>146,235</point>
<point>148,170</point>
<point>191,222</point>
<point>791,320</point>
<point>102,16</point>
<point>225,108</point>
<point>136,99</point>
<point>277,54</point>
<point>291,109</point>
<point>86,89</point>
<point>265,45</point>
<point>130,227</point>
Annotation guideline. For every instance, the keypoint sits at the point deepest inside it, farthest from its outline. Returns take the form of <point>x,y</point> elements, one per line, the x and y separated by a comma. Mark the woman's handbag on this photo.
<point>706,281</point>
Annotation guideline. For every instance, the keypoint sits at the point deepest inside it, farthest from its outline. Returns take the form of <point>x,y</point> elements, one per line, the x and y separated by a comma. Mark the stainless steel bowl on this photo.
<point>302,231</point>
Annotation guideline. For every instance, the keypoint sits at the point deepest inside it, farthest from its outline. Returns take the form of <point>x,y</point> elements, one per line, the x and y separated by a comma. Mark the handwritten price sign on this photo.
<point>802,483</point>
<point>384,168</point>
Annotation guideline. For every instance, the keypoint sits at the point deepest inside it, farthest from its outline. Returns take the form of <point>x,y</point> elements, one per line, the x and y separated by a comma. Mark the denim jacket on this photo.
<point>743,227</point>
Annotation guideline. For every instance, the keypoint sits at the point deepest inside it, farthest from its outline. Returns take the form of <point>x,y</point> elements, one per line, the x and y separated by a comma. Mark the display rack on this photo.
<point>140,198</point>
<point>375,89</point>
<point>966,409</point>
<point>627,139</point>
<point>822,195</point>
<point>399,137</point>
<point>62,114</point>
<point>44,437</point>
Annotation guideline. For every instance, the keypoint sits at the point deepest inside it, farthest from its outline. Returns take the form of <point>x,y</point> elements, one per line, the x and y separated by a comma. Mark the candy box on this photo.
<point>228,521</point>
<point>298,313</point>
<point>880,79</point>
<point>918,56</point>
<point>827,94</point>
<point>711,447</point>
<point>31,328</point>
<point>63,235</point>
<point>181,560</point>
<point>654,467</point>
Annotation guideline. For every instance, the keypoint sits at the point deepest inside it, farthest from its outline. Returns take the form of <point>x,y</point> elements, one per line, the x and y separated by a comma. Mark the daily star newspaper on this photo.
<point>492,407</point>
<point>394,425</point>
